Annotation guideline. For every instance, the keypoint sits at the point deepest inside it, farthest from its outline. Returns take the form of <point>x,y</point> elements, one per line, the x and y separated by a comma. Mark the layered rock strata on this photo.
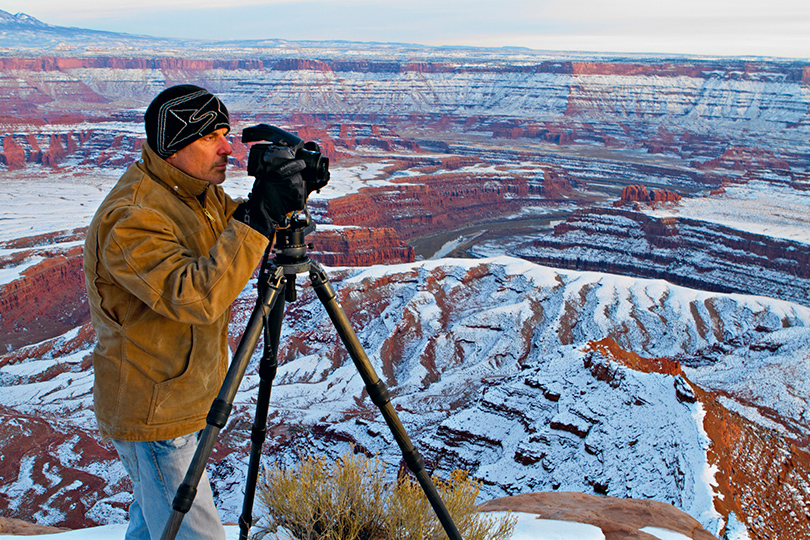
<point>684,251</point>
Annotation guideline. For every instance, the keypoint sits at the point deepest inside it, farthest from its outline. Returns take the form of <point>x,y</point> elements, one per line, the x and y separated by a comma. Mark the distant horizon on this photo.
<point>721,28</point>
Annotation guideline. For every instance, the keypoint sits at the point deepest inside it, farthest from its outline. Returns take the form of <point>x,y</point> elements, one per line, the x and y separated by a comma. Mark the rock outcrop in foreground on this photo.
<point>619,519</point>
<point>18,527</point>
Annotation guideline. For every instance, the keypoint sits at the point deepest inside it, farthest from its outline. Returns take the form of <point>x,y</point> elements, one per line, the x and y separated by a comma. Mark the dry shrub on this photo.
<point>350,499</point>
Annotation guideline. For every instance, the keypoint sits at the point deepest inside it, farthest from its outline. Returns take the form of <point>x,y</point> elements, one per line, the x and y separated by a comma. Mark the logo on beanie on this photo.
<point>191,113</point>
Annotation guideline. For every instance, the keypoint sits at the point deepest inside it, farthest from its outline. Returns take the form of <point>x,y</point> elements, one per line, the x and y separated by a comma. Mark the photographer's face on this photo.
<point>206,158</point>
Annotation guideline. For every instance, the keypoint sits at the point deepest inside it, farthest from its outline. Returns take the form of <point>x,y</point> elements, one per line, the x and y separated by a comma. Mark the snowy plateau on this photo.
<point>538,323</point>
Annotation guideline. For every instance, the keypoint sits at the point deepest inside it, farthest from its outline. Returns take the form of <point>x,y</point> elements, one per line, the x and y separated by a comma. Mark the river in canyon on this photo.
<point>487,239</point>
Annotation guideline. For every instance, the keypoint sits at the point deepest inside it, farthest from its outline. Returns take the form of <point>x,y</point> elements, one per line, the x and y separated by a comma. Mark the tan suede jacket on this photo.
<point>163,262</point>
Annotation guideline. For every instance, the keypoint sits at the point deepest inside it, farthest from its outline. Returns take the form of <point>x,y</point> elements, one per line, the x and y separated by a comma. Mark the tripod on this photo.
<point>277,275</point>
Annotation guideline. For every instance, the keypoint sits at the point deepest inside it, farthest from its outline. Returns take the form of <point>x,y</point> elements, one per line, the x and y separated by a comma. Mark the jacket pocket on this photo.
<point>188,396</point>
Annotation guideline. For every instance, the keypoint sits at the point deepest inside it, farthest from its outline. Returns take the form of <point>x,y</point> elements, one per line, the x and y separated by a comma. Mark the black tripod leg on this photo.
<point>267,372</point>
<point>378,393</point>
<point>221,408</point>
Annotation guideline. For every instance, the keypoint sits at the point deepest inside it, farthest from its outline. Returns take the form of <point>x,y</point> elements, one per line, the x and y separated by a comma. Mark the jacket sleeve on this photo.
<point>145,256</point>
<point>230,205</point>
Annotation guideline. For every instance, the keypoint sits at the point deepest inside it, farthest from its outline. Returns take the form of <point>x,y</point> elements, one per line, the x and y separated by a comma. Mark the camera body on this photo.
<point>282,146</point>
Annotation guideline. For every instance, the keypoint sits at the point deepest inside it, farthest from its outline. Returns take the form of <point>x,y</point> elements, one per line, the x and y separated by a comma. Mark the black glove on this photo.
<point>273,197</point>
<point>283,188</point>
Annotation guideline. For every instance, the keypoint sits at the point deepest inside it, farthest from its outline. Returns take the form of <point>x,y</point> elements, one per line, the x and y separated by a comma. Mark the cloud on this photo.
<point>716,27</point>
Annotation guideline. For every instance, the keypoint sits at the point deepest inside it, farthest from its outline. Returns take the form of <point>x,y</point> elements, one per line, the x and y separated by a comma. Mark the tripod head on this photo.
<point>290,247</point>
<point>290,251</point>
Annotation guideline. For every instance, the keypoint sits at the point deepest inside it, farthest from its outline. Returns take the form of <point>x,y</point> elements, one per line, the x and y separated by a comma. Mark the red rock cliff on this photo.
<point>640,194</point>
<point>48,299</point>
<point>428,203</point>
<point>360,247</point>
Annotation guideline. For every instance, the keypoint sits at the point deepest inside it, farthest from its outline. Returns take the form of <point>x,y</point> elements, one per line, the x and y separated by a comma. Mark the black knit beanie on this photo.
<point>180,115</point>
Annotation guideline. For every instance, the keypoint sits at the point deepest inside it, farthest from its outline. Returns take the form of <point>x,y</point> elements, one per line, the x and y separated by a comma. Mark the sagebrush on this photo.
<point>351,499</point>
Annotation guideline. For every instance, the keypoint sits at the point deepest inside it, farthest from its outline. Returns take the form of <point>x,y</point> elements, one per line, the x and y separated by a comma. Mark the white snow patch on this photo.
<point>758,207</point>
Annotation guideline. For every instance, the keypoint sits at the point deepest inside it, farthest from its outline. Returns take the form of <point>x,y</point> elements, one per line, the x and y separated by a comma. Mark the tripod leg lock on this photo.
<point>257,435</point>
<point>184,498</point>
<point>218,415</point>
<point>378,393</point>
<point>413,459</point>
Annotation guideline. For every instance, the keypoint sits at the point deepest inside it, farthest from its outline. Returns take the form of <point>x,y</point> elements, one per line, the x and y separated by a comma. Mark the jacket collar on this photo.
<point>173,178</point>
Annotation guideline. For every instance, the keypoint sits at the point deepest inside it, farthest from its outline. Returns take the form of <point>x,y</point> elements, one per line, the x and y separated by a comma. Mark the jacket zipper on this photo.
<point>211,219</point>
<point>208,215</point>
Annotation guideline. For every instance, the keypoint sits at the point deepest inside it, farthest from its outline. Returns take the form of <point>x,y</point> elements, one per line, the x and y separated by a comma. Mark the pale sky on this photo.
<point>779,28</point>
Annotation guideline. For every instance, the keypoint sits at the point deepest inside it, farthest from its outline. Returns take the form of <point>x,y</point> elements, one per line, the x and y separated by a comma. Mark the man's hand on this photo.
<point>283,189</point>
<point>273,197</point>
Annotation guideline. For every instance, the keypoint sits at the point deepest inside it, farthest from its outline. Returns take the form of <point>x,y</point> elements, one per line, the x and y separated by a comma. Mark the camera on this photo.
<point>282,146</point>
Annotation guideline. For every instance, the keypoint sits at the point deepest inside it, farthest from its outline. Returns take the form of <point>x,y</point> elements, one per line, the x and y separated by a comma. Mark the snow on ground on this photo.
<point>37,203</point>
<point>346,180</point>
<point>7,275</point>
<point>528,528</point>
<point>778,362</point>
<point>758,207</point>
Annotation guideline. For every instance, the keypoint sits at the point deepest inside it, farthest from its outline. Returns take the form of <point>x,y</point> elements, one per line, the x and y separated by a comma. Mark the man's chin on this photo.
<point>216,177</point>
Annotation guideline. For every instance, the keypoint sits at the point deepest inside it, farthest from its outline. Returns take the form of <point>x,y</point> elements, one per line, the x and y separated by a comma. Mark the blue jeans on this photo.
<point>157,468</point>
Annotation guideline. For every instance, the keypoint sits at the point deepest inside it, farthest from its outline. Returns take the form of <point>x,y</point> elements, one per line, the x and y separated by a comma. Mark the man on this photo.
<point>166,254</point>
